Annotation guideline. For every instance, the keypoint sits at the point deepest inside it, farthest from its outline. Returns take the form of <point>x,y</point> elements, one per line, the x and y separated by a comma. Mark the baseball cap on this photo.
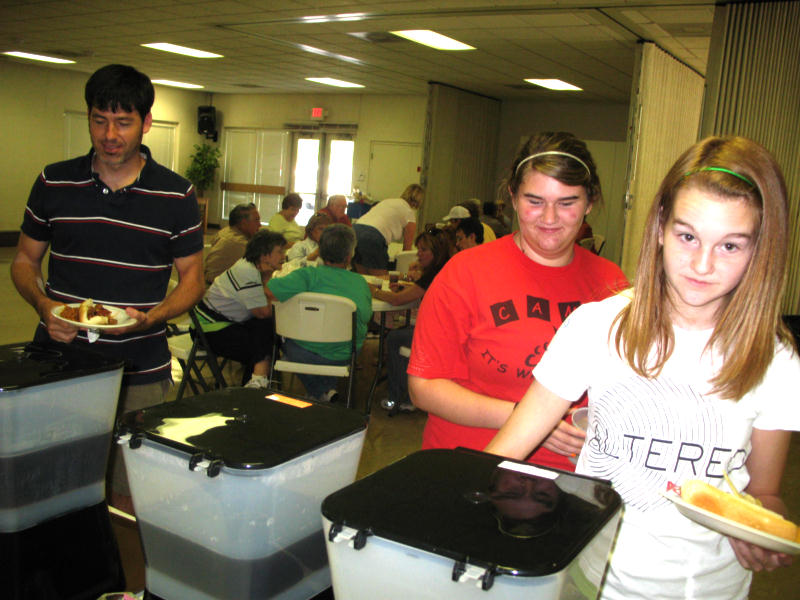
<point>457,212</point>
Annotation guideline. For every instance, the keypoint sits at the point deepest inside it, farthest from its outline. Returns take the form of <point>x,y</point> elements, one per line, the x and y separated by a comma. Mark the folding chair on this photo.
<point>404,260</point>
<point>193,354</point>
<point>313,317</point>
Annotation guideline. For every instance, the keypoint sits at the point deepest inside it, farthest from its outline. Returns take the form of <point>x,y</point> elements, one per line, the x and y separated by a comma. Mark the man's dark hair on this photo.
<point>240,213</point>
<point>292,199</point>
<point>471,226</point>
<point>472,206</point>
<point>262,243</point>
<point>337,243</point>
<point>490,208</point>
<point>116,87</point>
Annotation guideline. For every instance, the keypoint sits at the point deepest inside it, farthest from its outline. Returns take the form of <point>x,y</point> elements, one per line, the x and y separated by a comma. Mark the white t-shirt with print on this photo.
<point>645,435</point>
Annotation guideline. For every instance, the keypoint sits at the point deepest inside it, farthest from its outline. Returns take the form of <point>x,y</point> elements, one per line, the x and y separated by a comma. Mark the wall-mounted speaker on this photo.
<point>206,119</point>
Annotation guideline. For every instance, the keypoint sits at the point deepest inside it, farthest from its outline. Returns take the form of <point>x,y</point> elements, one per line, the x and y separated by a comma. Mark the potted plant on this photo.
<point>205,162</point>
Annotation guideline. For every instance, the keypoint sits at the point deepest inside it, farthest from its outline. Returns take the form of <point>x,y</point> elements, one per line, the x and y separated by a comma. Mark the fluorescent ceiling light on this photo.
<point>50,59</point>
<point>182,50</point>
<point>334,18</point>
<point>432,39</point>
<point>555,84</point>
<point>334,82</point>
<point>179,84</point>
<point>313,50</point>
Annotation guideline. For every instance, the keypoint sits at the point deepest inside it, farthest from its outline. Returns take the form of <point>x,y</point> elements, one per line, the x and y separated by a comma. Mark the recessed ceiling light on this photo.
<point>432,39</point>
<point>334,82</point>
<point>555,84</point>
<point>182,50</point>
<point>50,59</point>
<point>178,84</point>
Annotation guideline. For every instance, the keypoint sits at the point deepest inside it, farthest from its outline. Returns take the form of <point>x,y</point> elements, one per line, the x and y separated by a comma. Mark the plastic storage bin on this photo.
<point>227,488</point>
<point>57,407</point>
<point>460,524</point>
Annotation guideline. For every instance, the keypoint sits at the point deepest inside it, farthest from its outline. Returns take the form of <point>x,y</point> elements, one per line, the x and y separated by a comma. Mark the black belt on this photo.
<point>210,314</point>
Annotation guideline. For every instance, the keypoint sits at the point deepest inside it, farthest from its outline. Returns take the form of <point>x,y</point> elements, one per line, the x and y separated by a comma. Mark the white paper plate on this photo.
<point>732,528</point>
<point>123,320</point>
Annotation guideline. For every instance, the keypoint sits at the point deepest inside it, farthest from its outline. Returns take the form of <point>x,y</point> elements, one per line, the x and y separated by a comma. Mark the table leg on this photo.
<point>379,366</point>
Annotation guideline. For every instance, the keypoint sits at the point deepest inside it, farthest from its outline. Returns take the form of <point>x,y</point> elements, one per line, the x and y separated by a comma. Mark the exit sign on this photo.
<point>317,113</point>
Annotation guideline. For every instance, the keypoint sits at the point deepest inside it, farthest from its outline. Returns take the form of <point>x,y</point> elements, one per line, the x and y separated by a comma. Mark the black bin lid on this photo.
<point>243,428</point>
<point>28,364</point>
<point>498,514</point>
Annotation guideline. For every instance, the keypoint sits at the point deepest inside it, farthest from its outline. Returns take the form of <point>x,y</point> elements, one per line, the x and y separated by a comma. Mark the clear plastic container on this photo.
<point>57,407</point>
<point>227,488</point>
<point>461,524</point>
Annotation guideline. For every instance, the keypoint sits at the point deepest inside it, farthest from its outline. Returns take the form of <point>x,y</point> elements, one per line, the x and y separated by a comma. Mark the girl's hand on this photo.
<point>565,439</point>
<point>756,558</point>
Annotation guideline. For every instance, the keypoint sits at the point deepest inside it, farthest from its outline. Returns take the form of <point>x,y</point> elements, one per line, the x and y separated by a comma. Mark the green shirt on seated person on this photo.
<point>328,280</point>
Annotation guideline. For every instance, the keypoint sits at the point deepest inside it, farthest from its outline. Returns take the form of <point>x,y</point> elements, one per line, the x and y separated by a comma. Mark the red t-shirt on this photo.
<point>486,320</point>
<point>344,219</point>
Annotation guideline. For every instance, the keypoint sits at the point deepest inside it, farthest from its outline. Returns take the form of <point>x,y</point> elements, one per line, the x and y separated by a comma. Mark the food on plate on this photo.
<point>88,313</point>
<point>741,508</point>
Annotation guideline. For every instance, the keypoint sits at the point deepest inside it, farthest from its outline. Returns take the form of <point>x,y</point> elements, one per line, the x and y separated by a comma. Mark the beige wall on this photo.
<point>595,121</point>
<point>378,118</point>
<point>33,101</point>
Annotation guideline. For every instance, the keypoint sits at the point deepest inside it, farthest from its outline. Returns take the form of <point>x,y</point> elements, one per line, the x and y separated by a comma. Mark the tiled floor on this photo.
<point>388,439</point>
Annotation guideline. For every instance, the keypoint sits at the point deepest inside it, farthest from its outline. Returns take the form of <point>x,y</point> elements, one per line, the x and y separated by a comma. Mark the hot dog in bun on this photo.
<point>740,508</point>
<point>94,314</point>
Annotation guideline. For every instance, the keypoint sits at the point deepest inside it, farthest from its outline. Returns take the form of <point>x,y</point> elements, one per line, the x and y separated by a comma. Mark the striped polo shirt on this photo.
<point>116,248</point>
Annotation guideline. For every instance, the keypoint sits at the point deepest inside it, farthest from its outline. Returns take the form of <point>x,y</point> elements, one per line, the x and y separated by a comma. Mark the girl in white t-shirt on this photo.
<point>691,375</point>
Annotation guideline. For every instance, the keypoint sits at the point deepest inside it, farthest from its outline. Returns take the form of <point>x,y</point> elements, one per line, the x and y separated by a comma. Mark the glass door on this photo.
<point>323,166</point>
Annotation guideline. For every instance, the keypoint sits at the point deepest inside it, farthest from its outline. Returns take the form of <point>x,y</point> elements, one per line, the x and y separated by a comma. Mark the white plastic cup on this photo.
<point>580,419</point>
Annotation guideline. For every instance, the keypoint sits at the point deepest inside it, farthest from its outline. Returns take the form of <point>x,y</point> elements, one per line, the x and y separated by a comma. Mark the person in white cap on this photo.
<point>466,210</point>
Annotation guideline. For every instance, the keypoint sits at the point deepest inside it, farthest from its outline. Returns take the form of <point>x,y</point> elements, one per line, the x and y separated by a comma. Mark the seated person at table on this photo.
<point>336,209</point>
<point>235,314</point>
<point>433,251</point>
<point>228,245</point>
<point>473,205</point>
<point>336,246</point>
<point>469,233</point>
<point>490,218</point>
<point>308,249</point>
<point>283,222</point>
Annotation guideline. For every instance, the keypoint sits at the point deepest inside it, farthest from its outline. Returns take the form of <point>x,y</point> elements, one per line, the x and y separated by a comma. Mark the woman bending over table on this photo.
<point>390,220</point>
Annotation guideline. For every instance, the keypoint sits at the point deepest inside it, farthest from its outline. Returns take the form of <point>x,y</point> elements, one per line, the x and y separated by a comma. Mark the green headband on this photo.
<point>721,170</point>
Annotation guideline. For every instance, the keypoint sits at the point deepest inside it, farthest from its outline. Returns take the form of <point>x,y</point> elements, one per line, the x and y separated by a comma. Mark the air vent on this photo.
<point>378,37</point>
<point>71,54</point>
<point>329,127</point>
<point>248,85</point>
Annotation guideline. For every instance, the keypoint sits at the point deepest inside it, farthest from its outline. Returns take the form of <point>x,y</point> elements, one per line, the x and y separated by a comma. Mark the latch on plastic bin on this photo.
<point>484,578</point>
<point>341,533</point>
<point>134,441</point>
<point>199,461</point>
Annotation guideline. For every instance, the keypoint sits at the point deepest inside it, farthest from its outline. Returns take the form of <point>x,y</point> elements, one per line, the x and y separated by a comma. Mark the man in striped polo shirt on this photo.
<point>116,223</point>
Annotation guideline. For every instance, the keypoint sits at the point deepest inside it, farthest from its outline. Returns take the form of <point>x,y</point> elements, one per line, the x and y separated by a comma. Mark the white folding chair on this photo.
<point>404,260</point>
<point>314,317</point>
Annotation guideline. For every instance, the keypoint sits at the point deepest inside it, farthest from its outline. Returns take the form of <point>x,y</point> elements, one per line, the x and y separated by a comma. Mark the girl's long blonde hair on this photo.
<point>733,168</point>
